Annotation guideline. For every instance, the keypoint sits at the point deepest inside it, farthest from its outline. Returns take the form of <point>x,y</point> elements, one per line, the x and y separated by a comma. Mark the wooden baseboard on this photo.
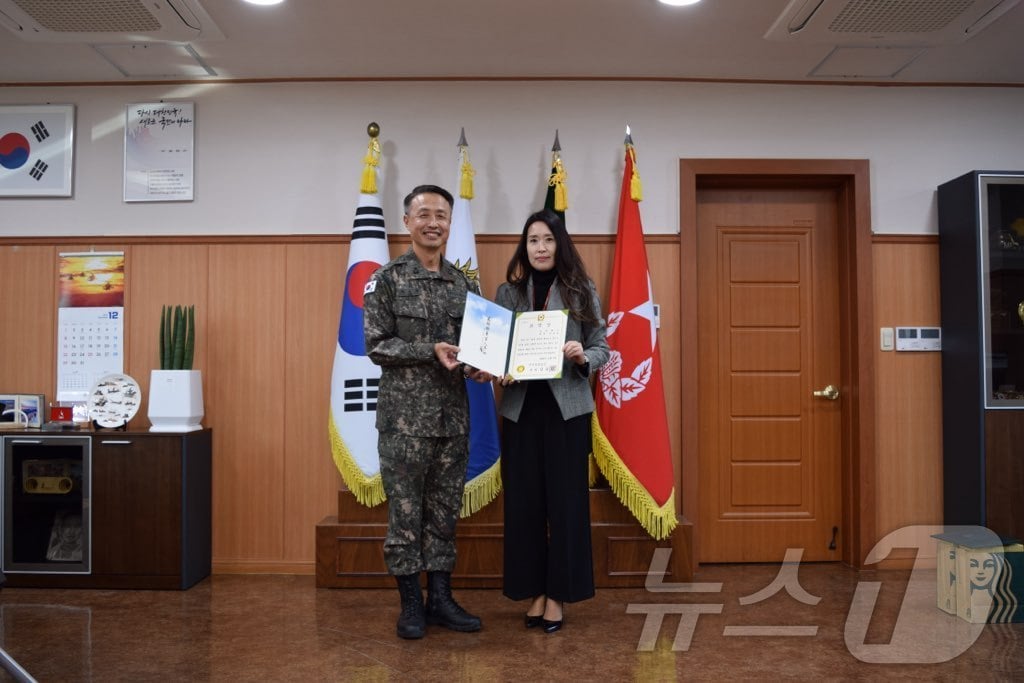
<point>350,554</point>
<point>260,567</point>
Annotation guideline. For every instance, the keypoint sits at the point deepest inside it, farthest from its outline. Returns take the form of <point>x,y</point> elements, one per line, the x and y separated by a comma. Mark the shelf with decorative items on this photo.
<point>176,389</point>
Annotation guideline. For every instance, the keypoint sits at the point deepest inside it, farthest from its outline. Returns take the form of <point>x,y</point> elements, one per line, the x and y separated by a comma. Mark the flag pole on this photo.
<point>354,378</point>
<point>630,425</point>
<point>483,471</point>
<point>557,179</point>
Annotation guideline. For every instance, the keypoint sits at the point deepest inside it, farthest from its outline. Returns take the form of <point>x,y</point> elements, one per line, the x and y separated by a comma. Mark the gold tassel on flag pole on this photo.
<point>466,171</point>
<point>371,161</point>
<point>636,189</point>
<point>557,179</point>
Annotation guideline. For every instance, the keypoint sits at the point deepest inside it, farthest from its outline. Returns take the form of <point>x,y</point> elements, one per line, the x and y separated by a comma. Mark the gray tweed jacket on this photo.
<point>572,391</point>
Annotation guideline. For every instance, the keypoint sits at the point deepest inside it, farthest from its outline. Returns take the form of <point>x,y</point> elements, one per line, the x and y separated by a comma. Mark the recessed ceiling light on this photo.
<point>679,3</point>
<point>264,2</point>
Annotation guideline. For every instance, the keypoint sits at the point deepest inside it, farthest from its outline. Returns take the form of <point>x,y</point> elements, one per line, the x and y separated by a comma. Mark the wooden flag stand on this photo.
<point>350,554</point>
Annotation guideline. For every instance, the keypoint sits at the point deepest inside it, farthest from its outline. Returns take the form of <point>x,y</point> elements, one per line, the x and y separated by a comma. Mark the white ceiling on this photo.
<point>716,39</point>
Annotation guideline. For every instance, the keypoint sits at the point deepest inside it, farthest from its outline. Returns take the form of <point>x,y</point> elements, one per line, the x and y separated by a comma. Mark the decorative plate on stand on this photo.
<point>114,400</point>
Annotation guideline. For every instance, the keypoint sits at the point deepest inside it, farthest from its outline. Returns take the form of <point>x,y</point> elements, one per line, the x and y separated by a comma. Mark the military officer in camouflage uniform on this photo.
<point>412,317</point>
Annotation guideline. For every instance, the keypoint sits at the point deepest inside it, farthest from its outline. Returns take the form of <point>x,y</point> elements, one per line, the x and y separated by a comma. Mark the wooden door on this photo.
<point>769,337</point>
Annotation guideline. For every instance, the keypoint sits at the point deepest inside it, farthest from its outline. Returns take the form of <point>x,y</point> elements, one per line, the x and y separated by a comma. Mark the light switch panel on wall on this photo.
<point>886,339</point>
<point>918,338</point>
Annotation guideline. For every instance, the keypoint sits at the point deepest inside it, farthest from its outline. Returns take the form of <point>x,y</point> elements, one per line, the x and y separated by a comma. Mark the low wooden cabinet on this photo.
<point>151,505</point>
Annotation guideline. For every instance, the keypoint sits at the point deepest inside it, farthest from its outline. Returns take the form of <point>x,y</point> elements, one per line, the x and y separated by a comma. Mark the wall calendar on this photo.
<point>90,322</point>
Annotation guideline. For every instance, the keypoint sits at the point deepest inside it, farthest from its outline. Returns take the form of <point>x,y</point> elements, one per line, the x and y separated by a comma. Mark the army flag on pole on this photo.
<point>630,425</point>
<point>355,379</point>
<point>483,476</point>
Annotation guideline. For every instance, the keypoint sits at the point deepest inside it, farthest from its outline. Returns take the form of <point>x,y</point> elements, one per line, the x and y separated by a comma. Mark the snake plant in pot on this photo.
<point>176,390</point>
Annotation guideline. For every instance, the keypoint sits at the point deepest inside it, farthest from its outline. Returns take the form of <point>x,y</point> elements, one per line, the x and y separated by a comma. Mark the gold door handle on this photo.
<point>829,392</point>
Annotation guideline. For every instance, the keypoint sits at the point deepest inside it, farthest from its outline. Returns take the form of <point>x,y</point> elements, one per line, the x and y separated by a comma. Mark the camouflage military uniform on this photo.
<point>422,410</point>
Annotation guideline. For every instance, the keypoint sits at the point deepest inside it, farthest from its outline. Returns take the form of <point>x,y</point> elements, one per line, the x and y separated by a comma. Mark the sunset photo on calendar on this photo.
<point>91,280</point>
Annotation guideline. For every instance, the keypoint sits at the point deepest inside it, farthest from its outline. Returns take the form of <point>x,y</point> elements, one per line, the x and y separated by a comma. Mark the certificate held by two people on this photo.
<point>523,344</point>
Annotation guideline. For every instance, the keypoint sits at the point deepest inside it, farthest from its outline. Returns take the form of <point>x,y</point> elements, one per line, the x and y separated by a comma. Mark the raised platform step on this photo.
<point>350,552</point>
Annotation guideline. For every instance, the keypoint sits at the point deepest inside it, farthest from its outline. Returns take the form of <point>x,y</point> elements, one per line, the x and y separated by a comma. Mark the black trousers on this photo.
<point>547,502</point>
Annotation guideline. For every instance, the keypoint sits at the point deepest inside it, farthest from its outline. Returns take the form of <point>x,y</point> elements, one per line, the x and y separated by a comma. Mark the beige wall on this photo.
<point>284,158</point>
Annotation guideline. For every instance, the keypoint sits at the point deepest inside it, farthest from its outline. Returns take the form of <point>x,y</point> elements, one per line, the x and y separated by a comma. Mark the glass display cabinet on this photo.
<point>46,504</point>
<point>1001,217</point>
<point>981,267</point>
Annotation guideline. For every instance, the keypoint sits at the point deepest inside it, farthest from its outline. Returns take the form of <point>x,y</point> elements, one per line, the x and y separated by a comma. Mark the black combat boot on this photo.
<point>412,621</point>
<point>442,608</point>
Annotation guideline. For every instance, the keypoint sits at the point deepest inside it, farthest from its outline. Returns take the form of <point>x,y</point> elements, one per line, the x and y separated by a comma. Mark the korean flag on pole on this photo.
<point>354,381</point>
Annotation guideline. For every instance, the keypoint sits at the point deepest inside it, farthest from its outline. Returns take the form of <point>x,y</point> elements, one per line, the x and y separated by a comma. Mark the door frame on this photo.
<point>850,178</point>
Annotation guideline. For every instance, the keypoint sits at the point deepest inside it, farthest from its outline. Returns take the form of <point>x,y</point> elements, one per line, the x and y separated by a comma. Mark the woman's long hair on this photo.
<point>573,282</point>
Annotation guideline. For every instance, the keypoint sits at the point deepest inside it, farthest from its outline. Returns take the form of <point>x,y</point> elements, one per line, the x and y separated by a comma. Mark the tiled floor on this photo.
<point>283,628</point>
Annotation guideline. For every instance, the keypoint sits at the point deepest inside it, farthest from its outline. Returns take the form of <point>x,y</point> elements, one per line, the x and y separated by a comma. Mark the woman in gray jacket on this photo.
<point>546,430</point>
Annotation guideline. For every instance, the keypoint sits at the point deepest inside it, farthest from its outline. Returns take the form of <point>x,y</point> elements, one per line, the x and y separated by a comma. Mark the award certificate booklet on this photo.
<point>526,345</point>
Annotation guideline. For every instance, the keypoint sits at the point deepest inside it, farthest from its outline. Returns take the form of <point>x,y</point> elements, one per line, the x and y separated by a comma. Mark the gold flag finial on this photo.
<point>636,189</point>
<point>371,161</point>
<point>557,178</point>
<point>466,171</point>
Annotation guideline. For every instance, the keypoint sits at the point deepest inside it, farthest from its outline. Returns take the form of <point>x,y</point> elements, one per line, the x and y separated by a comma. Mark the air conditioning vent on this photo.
<point>924,23</point>
<point>108,21</point>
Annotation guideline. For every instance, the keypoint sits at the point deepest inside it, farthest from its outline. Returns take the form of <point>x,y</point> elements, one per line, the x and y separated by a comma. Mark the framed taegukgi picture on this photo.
<point>36,150</point>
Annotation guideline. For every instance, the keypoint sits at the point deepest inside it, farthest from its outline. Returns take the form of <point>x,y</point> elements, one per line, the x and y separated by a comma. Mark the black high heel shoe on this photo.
<point>533,621</point>
<point>552,625</point>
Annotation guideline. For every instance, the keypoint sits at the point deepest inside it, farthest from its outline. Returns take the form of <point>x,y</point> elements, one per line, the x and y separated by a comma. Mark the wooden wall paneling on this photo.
<point>908,392</point>
<point>599,256</point>
<point>28,287</point>
<point>267,312</point>
<point>244,400</point>
<point>493,257</point>
<point>398,244</point>
<point>158,275</point>
<point>313,293</point>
